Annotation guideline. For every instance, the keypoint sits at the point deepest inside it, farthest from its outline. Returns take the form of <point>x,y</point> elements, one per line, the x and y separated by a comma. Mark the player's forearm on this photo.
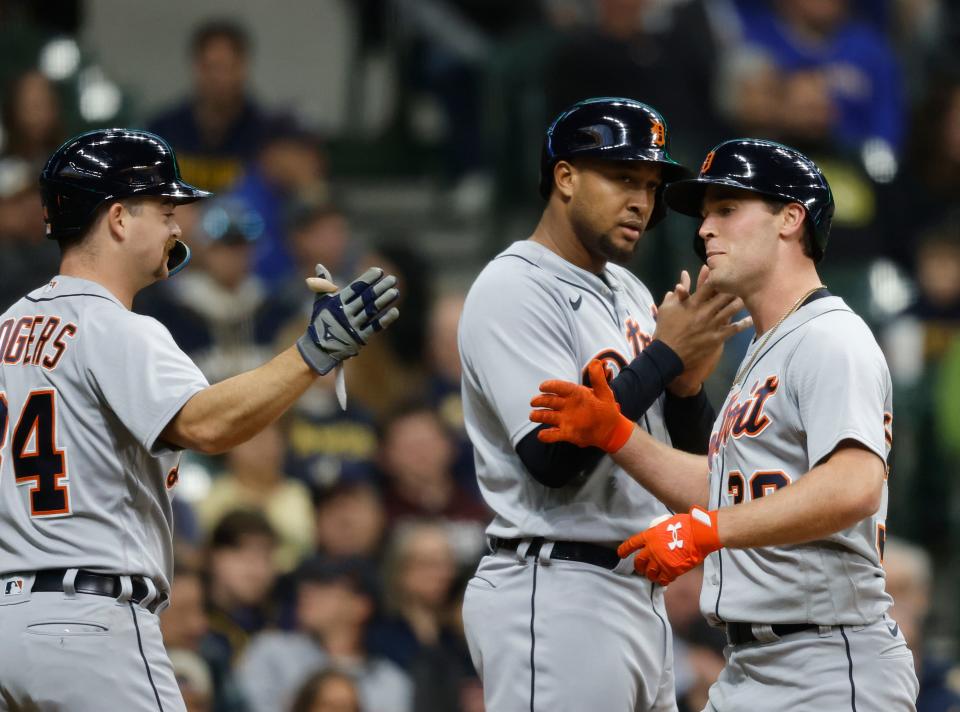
<point>678,479</point>
<point>830,498</point>
<point>232,411</point>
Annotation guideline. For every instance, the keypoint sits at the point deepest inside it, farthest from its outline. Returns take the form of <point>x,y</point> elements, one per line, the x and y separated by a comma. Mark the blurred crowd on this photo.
<point>321,564</point>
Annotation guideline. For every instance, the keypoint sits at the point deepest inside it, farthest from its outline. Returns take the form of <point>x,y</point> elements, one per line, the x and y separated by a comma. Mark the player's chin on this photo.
<point>617,250</point>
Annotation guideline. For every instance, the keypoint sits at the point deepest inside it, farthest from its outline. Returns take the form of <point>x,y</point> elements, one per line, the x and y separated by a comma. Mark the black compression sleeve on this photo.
<point>689,421</point>
<point>636,388</point>
<point>556,464</point>
<point>639,385</point>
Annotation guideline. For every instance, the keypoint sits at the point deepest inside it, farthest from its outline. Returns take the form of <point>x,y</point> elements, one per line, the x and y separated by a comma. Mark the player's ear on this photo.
<point>792,217</point>
<point>564,176</point>
<point>117,219</point>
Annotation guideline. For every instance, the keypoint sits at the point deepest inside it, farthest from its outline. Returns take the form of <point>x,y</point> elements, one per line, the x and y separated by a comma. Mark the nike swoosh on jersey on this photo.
<point>575,303</point>
<point>894,629</point>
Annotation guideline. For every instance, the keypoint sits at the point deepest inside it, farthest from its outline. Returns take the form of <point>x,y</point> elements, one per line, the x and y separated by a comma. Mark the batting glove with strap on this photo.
<point>588,417</point>
<point>343,321</point>
<point>673,546</point>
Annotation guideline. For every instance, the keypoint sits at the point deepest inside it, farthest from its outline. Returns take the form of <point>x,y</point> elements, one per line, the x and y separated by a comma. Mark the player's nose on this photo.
<point>707,230</point>
<point>640,203</point>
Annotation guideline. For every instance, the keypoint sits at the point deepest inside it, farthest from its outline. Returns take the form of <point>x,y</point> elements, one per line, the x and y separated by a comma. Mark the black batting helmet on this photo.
<point>764,167</point>
<point>111,164</point>
<point>613,129</point>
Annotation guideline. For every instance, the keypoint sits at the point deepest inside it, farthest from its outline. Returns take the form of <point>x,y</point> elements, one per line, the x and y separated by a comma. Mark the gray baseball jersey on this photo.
<point>531,316</point>
<point>534,623</point>
<point>820,379</point>
<point>86,387</point>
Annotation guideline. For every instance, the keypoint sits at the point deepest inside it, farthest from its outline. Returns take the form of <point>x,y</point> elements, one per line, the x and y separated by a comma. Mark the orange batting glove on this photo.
<point>588,417</point>
<point>673,546</point>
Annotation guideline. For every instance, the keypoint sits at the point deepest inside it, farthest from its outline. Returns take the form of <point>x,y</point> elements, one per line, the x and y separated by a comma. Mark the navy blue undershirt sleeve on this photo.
<point>636,388</point>
<point>689,421</point>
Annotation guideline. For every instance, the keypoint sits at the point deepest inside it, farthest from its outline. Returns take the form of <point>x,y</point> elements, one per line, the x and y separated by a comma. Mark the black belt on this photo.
<point>51,581</point>
<point>581,551</point>
<point>740,633</point>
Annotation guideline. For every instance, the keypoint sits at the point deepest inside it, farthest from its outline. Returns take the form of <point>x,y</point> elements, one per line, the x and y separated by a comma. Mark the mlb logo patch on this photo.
<point>13,587</point>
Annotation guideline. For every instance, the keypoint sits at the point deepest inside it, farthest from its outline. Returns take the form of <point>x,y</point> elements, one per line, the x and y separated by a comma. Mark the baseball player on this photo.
<point>96,403</point>
<point>554,620</point>
<point>788,507</point>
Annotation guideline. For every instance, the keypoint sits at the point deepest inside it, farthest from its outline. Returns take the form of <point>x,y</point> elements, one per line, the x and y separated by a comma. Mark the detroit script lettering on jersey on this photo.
<point>26,340</point>
<point>744,417</point>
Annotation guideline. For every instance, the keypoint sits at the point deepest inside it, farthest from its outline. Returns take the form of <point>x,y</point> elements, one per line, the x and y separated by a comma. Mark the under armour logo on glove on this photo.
<point>344,320</point>
<point>661,553</point>
<point>677,542</point>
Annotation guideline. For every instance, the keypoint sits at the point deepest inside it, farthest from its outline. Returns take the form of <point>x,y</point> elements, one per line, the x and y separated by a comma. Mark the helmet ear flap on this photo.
<point>659,208</point>
<point>179,257</point>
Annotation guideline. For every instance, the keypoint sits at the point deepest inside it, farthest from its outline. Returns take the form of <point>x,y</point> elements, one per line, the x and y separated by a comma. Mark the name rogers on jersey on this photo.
<point>744,417</point>
<point>30,341</point>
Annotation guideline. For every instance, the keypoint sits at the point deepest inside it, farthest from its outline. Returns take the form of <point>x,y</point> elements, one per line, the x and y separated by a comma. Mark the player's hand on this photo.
<point>343,320</point>
<point>673,546</point>
<point>696,325</point>
<point>588,417</point>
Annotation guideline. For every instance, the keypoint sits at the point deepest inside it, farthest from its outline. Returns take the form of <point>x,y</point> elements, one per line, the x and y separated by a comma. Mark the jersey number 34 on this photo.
<point>36,459</point>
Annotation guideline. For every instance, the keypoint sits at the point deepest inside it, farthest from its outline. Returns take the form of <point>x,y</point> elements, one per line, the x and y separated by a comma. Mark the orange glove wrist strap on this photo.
<point>708,531</point>
<point>621,433</point>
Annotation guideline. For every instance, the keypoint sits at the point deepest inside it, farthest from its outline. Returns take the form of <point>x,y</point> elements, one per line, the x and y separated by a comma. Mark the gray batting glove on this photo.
<point>343,321</point>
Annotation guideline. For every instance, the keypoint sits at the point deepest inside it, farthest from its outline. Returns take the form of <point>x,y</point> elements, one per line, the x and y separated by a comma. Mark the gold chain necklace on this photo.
<point>744,370</point>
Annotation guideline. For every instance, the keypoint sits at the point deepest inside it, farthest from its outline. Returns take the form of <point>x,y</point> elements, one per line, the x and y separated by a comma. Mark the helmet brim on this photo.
<point>686,196</point>
<point>179,192</point>
<point>670,170</point>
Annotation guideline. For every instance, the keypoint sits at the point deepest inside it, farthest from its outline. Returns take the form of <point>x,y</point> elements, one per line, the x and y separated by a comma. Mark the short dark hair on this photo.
<point>810,247</point>
<point>239,524</point>
<point>217,29</point>
<point>303,701</point>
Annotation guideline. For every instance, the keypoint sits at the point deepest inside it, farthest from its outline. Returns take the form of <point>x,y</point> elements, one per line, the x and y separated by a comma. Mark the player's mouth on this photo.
<point>713,253</point>
<point>633,229</point>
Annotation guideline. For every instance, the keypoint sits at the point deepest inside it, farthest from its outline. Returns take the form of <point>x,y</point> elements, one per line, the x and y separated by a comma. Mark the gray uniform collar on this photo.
<point>546,259</point>
<point>804,314</point>
<point>63,285</point>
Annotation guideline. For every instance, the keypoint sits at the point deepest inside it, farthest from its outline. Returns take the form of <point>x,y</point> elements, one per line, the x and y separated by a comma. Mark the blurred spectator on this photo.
<point>917,344</point>
<point>184,623</point>
<point>217,311</point>
<point>241,574</point>
<point>909,572</point>
<point>326,444</point>
<point>391,371</point>
<point>317,233</point>
<point>419,574</point>
<point>417,454</point>
<point>254,479</point>
<point>290,171</point>
<point>219,128</point>
<point>31,119</point>
<point>697,648</point>
<point>444,385</point>
<point>351,521</point>
<point>194,680</point>
<point>29,258</point>
<point>928,185</point>
<point>327,691</point>
<point>838,68</point>
<point>335,600</point>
